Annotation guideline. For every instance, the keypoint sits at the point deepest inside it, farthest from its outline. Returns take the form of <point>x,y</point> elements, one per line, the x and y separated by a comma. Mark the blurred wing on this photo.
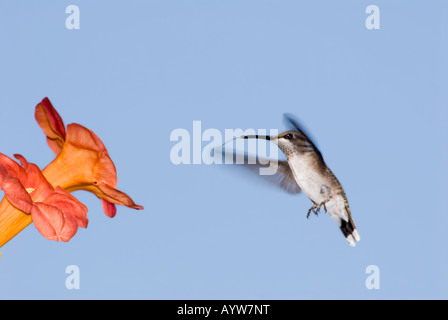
<point>283,177</point>
<point>291,121</point>
<point>288,181</point>
<point>279,175</point>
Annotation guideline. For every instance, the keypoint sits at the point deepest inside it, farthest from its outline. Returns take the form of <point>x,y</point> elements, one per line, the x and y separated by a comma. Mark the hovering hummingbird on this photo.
<point>305,170</point>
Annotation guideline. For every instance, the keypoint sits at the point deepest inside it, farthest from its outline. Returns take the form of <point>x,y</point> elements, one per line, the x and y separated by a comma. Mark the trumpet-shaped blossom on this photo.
<point>82,161</point>
<point>43,197</point>
<point>55,212</point>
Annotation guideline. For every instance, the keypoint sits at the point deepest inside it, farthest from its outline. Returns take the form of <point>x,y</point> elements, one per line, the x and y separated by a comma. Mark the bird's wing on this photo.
<point>291,121</point>
<point>285,178</point>
<point>277,173</point>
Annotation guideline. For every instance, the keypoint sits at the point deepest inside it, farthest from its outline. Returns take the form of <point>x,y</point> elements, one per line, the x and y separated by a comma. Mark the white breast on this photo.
<point>308,179</point>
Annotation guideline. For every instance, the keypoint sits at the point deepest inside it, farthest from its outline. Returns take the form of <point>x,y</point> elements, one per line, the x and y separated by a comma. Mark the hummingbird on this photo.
<point>305,170</point>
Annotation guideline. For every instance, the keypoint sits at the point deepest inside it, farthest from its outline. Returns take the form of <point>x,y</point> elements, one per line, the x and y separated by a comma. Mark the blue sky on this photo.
<point>374,101</point>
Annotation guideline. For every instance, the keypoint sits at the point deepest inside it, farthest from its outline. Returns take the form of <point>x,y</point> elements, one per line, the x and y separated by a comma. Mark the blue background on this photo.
<point>374,100</point>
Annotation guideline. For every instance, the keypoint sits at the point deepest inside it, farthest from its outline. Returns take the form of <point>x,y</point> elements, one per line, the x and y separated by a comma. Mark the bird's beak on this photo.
<point>256,137</point>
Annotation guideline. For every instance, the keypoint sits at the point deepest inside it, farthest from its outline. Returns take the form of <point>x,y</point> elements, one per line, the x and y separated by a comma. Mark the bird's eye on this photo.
<point>288,136</point>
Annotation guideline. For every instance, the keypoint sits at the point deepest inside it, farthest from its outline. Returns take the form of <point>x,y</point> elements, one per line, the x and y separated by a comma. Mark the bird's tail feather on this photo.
<point>340,213</point>
<point>348,228</point>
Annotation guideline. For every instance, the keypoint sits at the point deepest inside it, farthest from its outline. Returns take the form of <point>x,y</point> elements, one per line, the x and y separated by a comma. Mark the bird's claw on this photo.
<point>313,209</point>
<point>316,209</point>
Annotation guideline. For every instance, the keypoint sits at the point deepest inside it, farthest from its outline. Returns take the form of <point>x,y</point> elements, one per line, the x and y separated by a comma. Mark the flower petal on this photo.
<point>34,179</point>
<point>85,139</point>
<point>51,123</point>
<point>109,208</point>
<point>69,205</point>
<point>15,192</point>
<point>11,174</point>
<point>12,167</point>
<point>115,196</point>
<point>52,223</point>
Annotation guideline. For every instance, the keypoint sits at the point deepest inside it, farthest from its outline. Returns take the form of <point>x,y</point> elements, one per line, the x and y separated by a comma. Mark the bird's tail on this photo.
<point>348,228</point>
<point>340,213</point>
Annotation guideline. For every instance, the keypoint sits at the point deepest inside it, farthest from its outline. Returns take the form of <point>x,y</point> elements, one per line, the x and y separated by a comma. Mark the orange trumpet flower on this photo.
<point>82,163</point>
<point>55,212</point>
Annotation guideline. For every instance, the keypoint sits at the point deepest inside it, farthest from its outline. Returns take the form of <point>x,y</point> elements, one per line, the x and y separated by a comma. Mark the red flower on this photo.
<point>82,161</point>
<point>56,213</point>
<point>43,197</point>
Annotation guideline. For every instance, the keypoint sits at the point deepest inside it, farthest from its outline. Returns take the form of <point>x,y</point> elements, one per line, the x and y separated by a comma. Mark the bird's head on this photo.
<point>287,141</point>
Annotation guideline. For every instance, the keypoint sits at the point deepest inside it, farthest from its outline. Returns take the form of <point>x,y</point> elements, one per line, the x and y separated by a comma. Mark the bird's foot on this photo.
<point>322,204</point>
<point>316,209</point>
